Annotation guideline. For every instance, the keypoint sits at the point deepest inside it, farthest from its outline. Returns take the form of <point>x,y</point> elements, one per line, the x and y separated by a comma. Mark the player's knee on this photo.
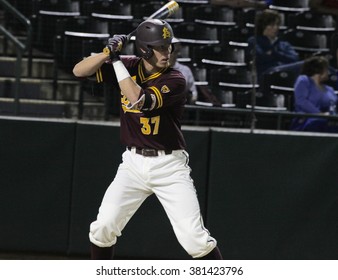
<point>193,237</point>
<point>198,249</point>
<point>197,245</point>
<point>102,234</point>
<point>104,231</point>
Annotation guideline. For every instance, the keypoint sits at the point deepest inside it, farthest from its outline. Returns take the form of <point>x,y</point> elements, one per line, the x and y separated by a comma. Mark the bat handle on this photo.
<point>131,34</point>
<point>107,51</point>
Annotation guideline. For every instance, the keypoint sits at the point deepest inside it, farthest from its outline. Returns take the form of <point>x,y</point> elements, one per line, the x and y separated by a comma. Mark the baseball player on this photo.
<point>155,160</point>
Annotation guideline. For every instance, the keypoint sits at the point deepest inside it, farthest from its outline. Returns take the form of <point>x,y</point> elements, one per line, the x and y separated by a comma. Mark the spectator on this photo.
<point>270,50</point>
<point>313,96</point>
<point>191,90</point>
<point>325,7</point>
<point>334,50</point>
<point>242,3</point>
<point>334,55</point>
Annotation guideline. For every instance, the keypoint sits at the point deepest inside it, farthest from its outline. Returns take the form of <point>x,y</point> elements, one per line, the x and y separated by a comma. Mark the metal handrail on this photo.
<point>246,111</point>
<point>20,47</point>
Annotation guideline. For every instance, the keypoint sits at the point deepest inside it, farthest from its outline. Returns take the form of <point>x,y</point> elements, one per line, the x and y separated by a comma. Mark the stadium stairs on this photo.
<point>48,92</point>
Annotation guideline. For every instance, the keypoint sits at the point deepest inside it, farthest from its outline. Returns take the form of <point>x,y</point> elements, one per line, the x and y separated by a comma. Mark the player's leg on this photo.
<point>122,199</point>
<point>215,254</point>
<point>182,208</point>
<point>101,253</point>
<point>177,194</point>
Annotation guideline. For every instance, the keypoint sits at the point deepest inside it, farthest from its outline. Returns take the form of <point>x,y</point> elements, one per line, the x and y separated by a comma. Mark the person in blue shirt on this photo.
<point>313,96</point>
<point>271,51</point>
<point>334,54</point>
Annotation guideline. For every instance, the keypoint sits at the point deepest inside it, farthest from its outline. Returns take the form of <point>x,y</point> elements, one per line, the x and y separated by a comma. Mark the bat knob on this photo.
<point>106,51</point>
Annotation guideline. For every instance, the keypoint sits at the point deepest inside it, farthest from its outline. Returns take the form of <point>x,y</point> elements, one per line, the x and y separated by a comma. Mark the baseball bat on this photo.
<point>165,11</point>
<point>162,13</point>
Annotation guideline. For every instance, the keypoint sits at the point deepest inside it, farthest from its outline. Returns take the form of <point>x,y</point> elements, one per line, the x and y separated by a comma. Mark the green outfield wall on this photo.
<point>263,195</point>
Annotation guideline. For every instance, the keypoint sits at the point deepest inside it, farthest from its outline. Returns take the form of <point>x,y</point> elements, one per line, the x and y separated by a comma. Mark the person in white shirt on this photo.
<point>191,89</point>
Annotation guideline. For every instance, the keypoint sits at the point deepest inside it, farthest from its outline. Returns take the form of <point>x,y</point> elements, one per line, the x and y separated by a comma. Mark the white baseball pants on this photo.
<point>168,177</point>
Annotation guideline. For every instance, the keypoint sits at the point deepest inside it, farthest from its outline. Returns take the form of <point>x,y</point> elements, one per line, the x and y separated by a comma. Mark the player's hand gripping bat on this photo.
<point>164,12</point>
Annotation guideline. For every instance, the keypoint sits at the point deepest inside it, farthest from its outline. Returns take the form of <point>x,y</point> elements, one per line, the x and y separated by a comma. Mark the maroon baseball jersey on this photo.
<point>156,123</point>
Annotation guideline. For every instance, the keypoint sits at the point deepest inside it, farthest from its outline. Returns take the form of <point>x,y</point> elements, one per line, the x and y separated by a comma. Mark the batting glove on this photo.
<point>115,46</point>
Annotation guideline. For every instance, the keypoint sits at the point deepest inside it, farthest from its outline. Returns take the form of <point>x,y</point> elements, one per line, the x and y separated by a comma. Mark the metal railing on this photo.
<point>279,116</point>
<point>21,48</point>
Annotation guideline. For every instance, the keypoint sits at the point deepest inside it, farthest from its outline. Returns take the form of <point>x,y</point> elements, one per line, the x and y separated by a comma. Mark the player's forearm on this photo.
<point>128,86</point>
<point>130,89</point>
<point>89,65</point>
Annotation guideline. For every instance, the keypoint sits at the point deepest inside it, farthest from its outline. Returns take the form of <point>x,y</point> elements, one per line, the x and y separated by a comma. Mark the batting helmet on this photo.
<point>151,33</point>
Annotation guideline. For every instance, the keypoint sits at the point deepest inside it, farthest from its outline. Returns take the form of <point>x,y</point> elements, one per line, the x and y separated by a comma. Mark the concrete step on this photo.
<point>40,89</point>
<point>36,108</point>
<point>37,92</point>
<point>10,50</point>
<point>52,109</point>
<point>41,68</point>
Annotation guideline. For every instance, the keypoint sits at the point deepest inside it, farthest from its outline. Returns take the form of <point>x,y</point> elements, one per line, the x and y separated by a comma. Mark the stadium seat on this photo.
<point>306,43</point>
<point>247,18</point>
<point>310,21</point>
<point>186,4</point>
<point>201,74</point>
<point>281,82</point>
<point>290,5</point>
<point>73,32</point>
<point>48,13</point>
<point>236,36</point>
<point>238,80</point>
<point>194,33</point>
<point>211,15</point>
<point>219,56</point>
<point>232,77</point>
<point>184,56</point>
<point>142,11</point>
<point>124,27</point>
<point>110,10</point>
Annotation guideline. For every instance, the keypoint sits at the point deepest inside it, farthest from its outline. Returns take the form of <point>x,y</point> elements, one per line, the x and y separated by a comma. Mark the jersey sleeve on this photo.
<point>165,91</point>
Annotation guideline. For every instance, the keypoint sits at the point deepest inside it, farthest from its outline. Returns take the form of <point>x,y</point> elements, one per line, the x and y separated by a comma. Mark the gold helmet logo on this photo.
<point>166,33</point>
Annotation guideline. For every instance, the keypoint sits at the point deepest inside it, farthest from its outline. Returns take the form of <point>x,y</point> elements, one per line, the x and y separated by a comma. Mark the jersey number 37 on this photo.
<point>150,125</point>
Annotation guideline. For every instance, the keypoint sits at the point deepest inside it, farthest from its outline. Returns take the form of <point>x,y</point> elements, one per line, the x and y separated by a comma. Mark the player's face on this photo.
<point>161,56</point>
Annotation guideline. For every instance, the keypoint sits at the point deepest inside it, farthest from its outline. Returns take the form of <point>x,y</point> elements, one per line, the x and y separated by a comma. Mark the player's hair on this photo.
<point>152,33</point>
